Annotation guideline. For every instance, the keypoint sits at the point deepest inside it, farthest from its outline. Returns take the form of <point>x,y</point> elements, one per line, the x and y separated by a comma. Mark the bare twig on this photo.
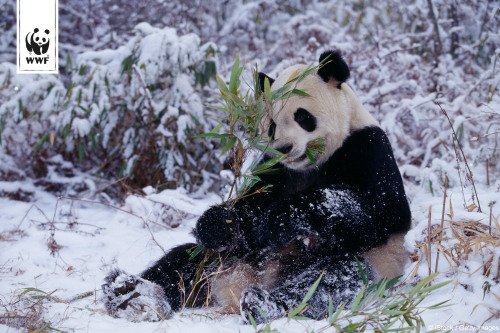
<point>122,210</point>
<point>438,46</point>
<point>146,90</point>
<point>454,35</point>
<point>469,173</point>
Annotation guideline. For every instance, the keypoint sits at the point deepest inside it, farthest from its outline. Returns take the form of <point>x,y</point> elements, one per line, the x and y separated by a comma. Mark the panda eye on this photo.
<point>271,130</point>
<point>306,120</point>
<point>37,39</point>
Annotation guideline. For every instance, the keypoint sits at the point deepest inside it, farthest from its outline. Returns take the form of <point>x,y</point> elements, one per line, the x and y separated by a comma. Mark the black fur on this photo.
<point>262,78</point>
<point>272,130</point>
<point>367,202</point>
<point>332,65</point>
<point>176,274</point>
<point>305,119</point>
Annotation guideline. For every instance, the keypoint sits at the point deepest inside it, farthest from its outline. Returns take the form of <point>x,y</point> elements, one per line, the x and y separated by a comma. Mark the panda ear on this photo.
<point>262,79</point>
<point>332,65</point>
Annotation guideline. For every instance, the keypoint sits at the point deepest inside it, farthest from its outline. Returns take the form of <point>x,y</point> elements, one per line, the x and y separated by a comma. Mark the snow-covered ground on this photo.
<point>64,247</point>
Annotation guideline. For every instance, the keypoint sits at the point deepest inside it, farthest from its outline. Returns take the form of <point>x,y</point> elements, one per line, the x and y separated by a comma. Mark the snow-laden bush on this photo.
<point>130,112</point>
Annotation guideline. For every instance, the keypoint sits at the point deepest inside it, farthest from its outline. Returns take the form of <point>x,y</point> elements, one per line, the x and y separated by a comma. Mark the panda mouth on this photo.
<point>297,160</point>
<point>301,158</point>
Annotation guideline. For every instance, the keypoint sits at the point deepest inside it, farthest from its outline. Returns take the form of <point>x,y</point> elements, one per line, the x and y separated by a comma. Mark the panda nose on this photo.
<point>285,149</point>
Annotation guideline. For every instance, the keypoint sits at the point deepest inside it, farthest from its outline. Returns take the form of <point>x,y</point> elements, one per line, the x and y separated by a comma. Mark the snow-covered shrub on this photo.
<point>130,112</point>
<point>8,31</point>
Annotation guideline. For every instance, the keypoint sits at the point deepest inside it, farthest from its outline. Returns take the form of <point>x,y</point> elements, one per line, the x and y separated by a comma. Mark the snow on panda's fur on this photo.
<point>269,248</point>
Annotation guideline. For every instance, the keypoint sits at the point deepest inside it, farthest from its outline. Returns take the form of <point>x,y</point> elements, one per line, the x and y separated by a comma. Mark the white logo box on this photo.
<point>37,36</point>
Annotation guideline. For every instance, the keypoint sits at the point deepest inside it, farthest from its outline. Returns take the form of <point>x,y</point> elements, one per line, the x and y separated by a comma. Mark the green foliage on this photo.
<point>383,307</point>
<point>315,148</point>
<point>247,117</point>
<point>379,307</point>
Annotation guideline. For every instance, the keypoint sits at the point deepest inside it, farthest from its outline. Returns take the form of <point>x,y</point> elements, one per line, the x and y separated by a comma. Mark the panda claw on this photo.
<point>131,297</point>
<point>256,303</point>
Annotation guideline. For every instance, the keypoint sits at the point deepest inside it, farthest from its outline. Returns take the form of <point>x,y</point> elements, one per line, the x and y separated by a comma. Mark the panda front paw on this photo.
<point>133,298</point>
<point>257,302</point>
<point>213,229</point>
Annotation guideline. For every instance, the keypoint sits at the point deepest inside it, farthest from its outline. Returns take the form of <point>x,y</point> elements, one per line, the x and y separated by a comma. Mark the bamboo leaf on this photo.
<point>221,83</point>
<point>330,306</point>
<point>311,158</point>
<point>355,303</point>
<point>81,151</point>
<point>393,312</point>
<point>337,314</point>
<point>252,321</point>
<point>216,128</point>
<point>434,287</point>
<point>439,305</point>
<point>41,142</point>
<point>213,135</point>
<point>268,164</point>
<point>230,144</point>
<point>352,327</point>
<point>267,90</point>
<point>308,296</point>
<point>360,268</point>
<point>28,290</point>
<point>300,93</point>
<point>235,75</point>
<point>269,149</point>
<point>196,252</point>
<point>421,284</point>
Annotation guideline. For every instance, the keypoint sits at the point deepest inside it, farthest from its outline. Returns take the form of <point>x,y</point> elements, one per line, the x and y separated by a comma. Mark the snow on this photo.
<point>64,242</point>
<point>94,238</point>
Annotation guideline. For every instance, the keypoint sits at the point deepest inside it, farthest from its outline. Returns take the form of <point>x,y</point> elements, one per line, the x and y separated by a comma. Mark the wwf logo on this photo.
<point>37,41</point>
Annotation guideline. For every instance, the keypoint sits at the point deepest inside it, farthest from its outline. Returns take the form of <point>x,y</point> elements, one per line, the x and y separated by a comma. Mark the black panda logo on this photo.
<point>38,42</point>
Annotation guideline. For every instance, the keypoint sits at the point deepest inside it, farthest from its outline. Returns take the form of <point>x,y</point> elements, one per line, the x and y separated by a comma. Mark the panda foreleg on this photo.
<point>176,280</point>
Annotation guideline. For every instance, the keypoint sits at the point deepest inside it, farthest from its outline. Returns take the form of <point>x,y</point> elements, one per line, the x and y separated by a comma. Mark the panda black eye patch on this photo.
<point>305,119</point>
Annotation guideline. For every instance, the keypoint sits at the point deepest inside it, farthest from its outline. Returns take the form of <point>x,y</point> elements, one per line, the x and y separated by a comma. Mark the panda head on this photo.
<point>41,38</point>
<point>331,112</point>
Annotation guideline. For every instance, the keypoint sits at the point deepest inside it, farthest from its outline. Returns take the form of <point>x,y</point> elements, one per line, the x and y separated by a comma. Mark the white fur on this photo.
<point>338,112</point>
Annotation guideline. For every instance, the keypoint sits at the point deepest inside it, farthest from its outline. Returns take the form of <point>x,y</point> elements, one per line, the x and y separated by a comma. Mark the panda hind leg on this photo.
<point>341,281</point>
<point>133,298</point>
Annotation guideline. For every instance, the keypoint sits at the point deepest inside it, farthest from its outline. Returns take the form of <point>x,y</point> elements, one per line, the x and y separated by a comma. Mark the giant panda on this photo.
<point>260,255</point>
<point>38,42</point>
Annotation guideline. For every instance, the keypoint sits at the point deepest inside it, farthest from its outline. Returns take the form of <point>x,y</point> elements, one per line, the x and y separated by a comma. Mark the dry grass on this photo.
<point>25,311</point>
<point>457,239</point>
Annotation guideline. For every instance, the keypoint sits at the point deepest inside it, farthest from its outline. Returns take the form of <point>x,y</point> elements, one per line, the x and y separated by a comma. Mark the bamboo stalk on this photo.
<point>487,172</point>
<point>442,221</point>
<point>429,231</point>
